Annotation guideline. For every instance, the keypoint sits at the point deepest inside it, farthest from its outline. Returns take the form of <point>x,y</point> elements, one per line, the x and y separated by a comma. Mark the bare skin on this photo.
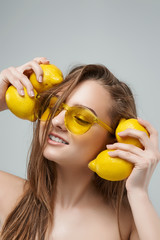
<point>78,206</point>
<point>91,219</point>
<point>11,190</point>
<point>80,213</point>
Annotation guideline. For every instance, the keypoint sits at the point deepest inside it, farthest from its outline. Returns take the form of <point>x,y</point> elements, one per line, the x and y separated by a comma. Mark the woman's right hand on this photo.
<point>19,78</point>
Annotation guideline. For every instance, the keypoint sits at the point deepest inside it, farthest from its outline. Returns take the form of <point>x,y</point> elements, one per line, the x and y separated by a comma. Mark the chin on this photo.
<point>49,154</point>
<point>54,155</point>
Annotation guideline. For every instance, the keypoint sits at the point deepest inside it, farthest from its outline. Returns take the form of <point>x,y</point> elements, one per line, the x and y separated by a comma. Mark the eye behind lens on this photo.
<point>81,120</point>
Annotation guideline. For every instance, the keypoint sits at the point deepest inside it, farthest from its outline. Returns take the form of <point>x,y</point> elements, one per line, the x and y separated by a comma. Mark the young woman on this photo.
<point>61,197</point>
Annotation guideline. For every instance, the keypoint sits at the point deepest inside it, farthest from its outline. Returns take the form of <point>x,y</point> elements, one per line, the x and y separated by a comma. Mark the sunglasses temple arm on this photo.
<point>105,126</point>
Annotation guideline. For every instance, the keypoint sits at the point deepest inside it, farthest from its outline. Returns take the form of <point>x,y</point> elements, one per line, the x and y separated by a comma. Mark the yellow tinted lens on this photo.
<point>79,120</point>
<point>45,115</point>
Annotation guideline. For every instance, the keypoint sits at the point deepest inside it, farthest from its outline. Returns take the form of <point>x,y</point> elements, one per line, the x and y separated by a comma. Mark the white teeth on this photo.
<point>56,139</point>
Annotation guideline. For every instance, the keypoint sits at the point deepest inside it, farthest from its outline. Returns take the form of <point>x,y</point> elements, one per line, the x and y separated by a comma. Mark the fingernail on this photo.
<point>40,79</point>
<point>111,153</point>
<point>108,145</point>
<point>22,92</point>
<point>32,93</point>
<point>120,133</point>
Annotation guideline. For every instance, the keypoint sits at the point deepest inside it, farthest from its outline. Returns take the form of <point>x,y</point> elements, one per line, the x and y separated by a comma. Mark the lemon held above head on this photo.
<point>21,106</point>
<point>51,76</point>
<point>24,106</point>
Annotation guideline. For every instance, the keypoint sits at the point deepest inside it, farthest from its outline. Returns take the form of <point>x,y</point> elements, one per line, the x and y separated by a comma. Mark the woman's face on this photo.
<point>80,149</point>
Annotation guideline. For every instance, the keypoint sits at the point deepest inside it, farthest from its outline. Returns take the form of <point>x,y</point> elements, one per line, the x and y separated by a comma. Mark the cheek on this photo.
<point>88,146</point>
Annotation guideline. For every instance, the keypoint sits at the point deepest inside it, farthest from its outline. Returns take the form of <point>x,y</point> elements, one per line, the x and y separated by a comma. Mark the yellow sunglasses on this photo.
<point>78,120</point>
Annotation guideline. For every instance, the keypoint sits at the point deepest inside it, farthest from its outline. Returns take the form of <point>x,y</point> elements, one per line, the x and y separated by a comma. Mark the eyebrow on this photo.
<point>80,105</point>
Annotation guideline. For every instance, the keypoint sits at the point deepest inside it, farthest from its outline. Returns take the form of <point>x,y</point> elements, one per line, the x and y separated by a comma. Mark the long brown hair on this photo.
<point>33,216</point>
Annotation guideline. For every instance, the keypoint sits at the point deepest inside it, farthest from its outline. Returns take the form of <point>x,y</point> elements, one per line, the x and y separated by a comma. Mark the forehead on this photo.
<point>91,93</point>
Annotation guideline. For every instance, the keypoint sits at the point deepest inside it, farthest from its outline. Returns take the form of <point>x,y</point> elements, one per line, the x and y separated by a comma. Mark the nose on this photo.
<point>58,121</point>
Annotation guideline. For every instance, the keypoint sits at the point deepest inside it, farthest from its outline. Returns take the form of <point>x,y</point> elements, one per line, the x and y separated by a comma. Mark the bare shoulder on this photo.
<point>11,189</point>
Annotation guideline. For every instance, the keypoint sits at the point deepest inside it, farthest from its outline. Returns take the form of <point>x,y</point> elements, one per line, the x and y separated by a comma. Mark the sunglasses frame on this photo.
<point>64,106</point>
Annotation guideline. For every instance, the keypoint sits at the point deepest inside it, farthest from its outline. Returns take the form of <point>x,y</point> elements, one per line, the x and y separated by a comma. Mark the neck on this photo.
<point>74,186</point>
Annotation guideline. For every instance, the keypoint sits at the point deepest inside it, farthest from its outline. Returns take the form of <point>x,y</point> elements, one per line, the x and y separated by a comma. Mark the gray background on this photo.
<point>124,35</point>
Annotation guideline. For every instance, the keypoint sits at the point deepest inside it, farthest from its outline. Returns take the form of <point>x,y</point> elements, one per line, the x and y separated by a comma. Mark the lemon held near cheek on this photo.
<point>109,168</point>
<point>133,124</point>
<point>21,106</point>
<point>51,76</point>
<point>114,168</point>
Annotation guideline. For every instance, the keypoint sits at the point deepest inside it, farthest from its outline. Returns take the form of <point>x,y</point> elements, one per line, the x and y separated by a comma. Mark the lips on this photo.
<point>56,138</point>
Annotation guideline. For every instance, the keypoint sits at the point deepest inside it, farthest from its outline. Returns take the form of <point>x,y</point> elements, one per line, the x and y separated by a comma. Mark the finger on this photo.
<point>140,135</point>
<point>152,131</point>
<point>128,156</point>
<point>35,67</point>
<point>14,80</point>
<point>24,81</point>
<point>146,125</point>
<point>41,60</point>
<point>125,147</point>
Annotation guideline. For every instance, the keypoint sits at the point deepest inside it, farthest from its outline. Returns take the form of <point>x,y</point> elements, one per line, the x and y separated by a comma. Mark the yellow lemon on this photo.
<point>21,106</point>
<point>112,169</point>
<point>51,76</point>
<point>129,123</point>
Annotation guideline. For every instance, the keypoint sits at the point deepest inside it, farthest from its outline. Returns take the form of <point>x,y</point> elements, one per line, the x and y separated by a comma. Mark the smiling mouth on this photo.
<point>57,139</point>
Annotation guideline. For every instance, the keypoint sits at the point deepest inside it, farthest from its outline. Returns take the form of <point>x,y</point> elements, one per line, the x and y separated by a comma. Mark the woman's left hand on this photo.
<point>145,160</point>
